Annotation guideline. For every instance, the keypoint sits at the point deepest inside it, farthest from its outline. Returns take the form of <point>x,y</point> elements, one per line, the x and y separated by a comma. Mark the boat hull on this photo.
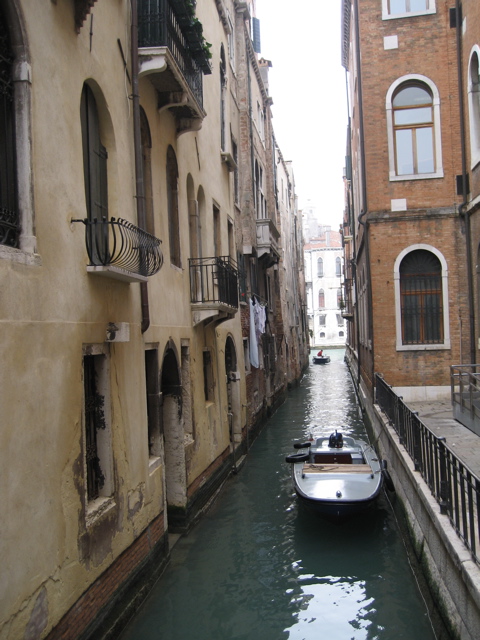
<point>321,360</point>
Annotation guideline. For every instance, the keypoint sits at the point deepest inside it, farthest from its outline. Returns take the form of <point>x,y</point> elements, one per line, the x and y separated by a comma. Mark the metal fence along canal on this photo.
<point>258,565</point>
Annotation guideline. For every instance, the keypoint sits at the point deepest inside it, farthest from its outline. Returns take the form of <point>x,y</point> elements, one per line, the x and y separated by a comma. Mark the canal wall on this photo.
<point>451,574</point>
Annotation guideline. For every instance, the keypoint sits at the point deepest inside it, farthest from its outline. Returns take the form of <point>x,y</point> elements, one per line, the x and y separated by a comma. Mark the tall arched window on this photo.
<point>320,268</point>
<point>338,267</point>
<point>321,299</point>
<point>421,298</point>
<point>413,126</point>
<point>94,173</point>
<point>146,139</point>
<point>9,218</point>
<point>223,87</point>
<point>474,105</point>
<point>172,203</point>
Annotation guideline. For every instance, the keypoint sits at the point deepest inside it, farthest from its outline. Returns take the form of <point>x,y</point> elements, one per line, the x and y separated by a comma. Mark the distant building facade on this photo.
<point>324,282</point>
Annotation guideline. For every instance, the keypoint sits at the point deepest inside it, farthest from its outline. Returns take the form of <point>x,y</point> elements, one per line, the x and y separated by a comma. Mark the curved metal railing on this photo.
<point>119,243</point>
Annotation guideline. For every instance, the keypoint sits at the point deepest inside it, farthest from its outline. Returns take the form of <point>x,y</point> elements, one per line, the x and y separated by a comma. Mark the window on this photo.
<point>17,222</point>
<point>421,298</point>
<point>231,41</point>
<point>322,320</point>
<point>321,299</point>
<point>94,158</point>
<point>474,105</point>
<point>340,303</point>
<point>9,216</point>
<point>208,376</point>
<point>98,450</point>
<point>401,8</point>
<point>152,381</point>
<point>172,203</point>
<point>340,320</point>
<point>320,268</point>
<point>338,267</point>
<point>223,87</point>
<point>146,142</point>
<point>235,173</point>
<point>413,125</point>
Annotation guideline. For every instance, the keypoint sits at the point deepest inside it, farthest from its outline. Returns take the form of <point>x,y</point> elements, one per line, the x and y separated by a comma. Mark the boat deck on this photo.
<point>311,467</point>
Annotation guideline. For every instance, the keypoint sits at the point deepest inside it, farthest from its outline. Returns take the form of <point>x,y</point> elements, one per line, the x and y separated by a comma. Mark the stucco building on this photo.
<point>139,216</point>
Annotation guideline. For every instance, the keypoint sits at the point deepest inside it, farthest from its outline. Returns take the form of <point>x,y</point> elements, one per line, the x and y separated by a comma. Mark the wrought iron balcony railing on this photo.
<point>162,24</point>
<point>124,250</point>
<point>214,282</point>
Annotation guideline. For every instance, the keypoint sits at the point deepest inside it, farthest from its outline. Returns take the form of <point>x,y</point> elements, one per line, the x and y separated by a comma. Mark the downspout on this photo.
<point>462,207</point>
<point>137,143</point>
<point>364,210</point>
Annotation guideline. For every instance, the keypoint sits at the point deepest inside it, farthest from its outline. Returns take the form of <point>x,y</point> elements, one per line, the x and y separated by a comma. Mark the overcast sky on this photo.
<point>302,39</point>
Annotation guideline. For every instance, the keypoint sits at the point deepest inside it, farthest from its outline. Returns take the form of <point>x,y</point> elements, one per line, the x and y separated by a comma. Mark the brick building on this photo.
<point>405,233</point>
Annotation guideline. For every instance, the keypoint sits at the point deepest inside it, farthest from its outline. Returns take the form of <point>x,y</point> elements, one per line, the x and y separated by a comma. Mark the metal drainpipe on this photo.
<point>137,143</point>
<point>364,183</point>
<point>465,214</point>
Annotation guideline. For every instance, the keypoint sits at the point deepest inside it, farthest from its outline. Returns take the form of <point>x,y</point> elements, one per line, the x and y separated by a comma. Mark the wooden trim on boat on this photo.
<point>311,467</point>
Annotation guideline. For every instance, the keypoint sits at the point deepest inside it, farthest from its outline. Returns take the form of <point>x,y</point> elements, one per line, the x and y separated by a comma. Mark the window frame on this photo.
<point>386,15</point>
<point>445,344</point>
<point>409,80</point>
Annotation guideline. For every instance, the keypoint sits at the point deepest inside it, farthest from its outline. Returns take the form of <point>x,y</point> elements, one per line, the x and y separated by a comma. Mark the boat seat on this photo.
<point>310,467</point>
<point>332,458</point>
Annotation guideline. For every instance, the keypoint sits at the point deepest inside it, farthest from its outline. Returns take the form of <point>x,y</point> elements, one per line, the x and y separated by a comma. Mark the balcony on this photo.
<point>174,55</point>
<point>118,249</point>
<point>213,289</point>
<point>267,242</point>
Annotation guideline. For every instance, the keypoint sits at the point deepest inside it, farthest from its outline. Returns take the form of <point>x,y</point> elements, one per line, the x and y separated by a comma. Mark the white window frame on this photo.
<point>445,302</point>
<point>474,110</point>
<point>386,15</point>
<point>437,129</point>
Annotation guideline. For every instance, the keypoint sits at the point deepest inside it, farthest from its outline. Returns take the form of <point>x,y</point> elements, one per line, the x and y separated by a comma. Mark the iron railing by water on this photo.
<point>455,487</point>
<point>465,393</point>
<point>214,281</point>
<point>119,243</point>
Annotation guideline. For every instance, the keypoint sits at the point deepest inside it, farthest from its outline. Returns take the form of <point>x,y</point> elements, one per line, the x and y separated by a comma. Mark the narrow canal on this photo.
<point>258,566</point>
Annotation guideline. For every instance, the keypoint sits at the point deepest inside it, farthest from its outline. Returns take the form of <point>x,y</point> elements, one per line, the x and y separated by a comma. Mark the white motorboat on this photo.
<point>337,476</point>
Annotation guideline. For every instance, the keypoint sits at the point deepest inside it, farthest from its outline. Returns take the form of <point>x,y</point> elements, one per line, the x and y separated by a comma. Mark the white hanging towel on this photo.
<point>253,339</point>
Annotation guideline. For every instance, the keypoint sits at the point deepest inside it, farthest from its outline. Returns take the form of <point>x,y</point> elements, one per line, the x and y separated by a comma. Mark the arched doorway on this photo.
<point>173,433</point>
<point>234,408</point>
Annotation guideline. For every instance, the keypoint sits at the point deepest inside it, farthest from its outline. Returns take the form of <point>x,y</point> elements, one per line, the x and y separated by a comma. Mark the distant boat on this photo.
<point>337,476</point>
<point>321,359</point>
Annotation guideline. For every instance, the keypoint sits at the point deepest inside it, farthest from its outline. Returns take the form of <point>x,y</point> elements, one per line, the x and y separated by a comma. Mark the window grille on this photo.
<point>421,298</point>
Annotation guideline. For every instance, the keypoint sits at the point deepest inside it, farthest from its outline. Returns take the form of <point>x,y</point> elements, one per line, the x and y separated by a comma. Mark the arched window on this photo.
<point>9,216</point>
<point>474,105</point>
<point>320,268</point>
<point>172,203</point>
<point>146,139</point>
<point>413,125</point>
<point>321,299</point>
<point>421,289</point>
<point>223,87</point>
<point>17,214</point>
<point>94,173</point>
<point>338,267</point>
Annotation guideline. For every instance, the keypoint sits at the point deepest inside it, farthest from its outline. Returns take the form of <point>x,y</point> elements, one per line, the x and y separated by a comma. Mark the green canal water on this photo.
<point>260,567</point>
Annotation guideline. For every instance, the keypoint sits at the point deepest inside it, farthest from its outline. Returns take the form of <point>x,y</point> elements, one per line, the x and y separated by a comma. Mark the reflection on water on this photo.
<point>259,566</point>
